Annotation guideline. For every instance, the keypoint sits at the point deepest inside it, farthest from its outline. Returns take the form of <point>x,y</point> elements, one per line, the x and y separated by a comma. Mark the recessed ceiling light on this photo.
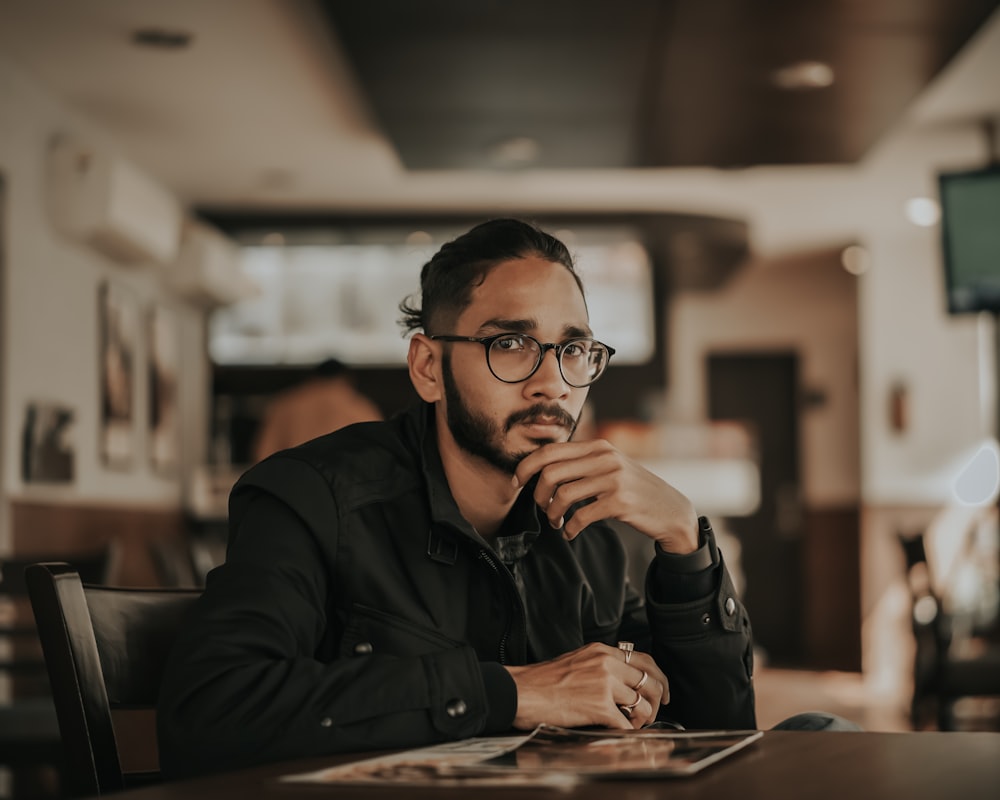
<point>803,76</point>
<point>162,38</point>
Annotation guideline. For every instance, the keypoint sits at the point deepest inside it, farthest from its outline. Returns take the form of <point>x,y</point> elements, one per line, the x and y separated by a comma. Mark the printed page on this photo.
<point>549,756</point>
<point>646,753</point>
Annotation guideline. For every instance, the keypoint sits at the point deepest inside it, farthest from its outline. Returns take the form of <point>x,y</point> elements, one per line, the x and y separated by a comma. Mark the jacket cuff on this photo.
<point>685,578</point>
<point>720,609</point>
<point>501,697</point>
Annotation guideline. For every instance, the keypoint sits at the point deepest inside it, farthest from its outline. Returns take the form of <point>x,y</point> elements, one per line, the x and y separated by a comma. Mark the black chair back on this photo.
<point>105,649</point>
<point>97,566</point>
<point>943,674</point>
<point>30,744</point>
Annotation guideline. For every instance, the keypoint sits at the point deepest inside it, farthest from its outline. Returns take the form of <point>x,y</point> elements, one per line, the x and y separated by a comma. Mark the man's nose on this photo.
<point>548,379</point>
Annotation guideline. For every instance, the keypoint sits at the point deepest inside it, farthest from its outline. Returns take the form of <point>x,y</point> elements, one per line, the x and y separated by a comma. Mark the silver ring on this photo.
<point>627,710</point>
<point>642,681</point>
<point>627,648</point>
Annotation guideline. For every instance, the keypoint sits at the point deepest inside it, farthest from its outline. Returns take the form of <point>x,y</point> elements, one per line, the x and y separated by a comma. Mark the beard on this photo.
<point>480,436</point>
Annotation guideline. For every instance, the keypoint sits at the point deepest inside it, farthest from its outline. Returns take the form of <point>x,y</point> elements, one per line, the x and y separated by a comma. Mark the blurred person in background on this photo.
<point>326,401</point>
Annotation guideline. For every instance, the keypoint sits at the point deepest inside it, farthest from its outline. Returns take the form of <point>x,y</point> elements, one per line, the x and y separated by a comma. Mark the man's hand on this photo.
<point>617,488</point>
<point>588,687</point>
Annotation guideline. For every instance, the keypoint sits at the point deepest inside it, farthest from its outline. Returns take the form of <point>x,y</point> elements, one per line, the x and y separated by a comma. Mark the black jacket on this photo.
<point>358,610</point>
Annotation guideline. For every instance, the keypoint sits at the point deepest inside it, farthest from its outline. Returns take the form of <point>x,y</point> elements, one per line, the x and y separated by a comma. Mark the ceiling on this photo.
<point>458,105</point>
<point>647,83</point>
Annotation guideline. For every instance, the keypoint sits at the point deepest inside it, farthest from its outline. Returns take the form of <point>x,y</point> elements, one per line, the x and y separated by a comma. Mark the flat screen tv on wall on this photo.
<point>970,230</point>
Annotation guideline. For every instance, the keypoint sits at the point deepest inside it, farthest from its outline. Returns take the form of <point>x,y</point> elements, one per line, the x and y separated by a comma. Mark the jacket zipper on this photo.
<point>517,604</point>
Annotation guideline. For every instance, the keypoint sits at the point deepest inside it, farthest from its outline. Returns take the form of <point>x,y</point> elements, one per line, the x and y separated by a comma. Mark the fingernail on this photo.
<point>561,522</point>
<point>515,482</point>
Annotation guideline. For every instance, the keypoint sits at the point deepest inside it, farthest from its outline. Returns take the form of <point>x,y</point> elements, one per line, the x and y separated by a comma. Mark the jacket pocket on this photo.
<point>370,630</point>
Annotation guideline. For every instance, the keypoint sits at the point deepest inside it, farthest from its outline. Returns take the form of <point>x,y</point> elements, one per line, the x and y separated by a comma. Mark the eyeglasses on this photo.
<point>515,357</point>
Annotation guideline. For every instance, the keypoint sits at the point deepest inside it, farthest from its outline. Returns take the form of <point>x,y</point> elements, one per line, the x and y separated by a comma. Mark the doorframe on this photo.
<point>780,624</point>
<point>6,539</point>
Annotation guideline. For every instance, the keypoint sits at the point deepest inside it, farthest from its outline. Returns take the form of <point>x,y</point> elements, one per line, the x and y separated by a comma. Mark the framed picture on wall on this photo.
<point>48,451</point>
<point>119,332</point>
<point>162,336</point>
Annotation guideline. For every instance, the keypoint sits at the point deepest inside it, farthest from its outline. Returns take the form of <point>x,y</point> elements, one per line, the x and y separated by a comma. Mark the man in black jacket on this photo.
<point>449,573</point>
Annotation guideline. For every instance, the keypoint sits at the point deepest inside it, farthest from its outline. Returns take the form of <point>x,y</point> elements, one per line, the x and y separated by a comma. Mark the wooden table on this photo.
<point>782,764</point>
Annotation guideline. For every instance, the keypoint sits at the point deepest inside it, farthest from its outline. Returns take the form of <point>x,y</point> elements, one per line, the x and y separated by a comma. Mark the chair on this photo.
<point>30,744</point>
<point>105,649</point>
<point>943,673</point>
<point>24,664</point>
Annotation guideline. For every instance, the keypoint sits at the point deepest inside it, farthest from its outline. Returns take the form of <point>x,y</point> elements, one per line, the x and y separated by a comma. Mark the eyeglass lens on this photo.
<point>513,358</point>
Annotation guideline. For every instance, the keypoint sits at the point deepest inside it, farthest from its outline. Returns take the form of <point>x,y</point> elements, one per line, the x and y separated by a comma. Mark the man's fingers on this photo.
<point>550,454</point>
<point>640,714</point>
<point>617,720</point>
<point>656,688</point>
<point>537,460</point>
<point>633,706</point>
<point>561,497</point>
<point>566,470</point>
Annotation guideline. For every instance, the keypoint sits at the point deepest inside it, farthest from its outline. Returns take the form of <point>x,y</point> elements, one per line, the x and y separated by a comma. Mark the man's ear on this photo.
<point>424,362</point>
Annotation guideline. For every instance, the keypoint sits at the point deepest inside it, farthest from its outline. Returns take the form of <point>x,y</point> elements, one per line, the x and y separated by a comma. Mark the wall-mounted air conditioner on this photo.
<point>107,203</point>
<point>207,270</point>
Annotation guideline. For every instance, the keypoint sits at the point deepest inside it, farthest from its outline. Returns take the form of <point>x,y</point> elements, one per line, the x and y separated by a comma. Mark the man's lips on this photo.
<point>545,422</point>
<point>542,418</point>
<point>545,428</point>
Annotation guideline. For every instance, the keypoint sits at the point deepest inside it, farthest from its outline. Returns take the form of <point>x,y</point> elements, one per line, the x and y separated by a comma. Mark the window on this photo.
<point>323,295</point>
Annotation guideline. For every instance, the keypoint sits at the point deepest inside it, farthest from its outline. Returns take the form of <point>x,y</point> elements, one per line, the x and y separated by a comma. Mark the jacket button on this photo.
<point>326,722</point>
<point>706,618</point>
<point>730,606</point>
<point>362,648</point>
<point>456,707</point>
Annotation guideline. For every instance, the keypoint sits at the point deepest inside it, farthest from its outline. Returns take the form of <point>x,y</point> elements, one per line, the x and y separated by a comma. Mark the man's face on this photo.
<point>501,422</point>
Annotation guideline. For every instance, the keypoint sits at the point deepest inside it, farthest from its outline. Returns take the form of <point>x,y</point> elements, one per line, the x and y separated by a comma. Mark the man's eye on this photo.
<point>575,349</point>
<point>510,343</point>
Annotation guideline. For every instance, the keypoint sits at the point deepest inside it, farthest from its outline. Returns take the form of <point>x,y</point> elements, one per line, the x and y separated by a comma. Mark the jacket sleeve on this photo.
<point>246,681</point>
<point>705,648</point>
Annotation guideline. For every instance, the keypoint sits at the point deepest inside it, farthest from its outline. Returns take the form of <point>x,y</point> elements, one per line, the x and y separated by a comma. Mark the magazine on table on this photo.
<point>548,756</point>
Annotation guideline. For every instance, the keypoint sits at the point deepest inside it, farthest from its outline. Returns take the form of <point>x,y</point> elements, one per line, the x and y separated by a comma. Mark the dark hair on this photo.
<point>330,368</point>
<point>447,280</point>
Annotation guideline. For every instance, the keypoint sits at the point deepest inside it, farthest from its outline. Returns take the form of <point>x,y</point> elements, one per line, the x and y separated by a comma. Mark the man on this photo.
<point>449,573</point>
<point>326,401</point>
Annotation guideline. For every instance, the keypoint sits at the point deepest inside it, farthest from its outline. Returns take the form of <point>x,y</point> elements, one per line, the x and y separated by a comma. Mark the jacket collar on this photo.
<point>517,532</point>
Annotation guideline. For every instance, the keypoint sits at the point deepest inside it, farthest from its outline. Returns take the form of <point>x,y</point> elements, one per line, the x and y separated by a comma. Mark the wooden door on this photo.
<point>761,389</point>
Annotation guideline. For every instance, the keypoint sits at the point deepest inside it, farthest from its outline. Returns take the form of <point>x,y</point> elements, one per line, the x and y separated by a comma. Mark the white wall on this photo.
<point>904,330</point>
<point>805,304</point>
<point>947,363</point>
<point>50,323</point>
<point>907,334</point>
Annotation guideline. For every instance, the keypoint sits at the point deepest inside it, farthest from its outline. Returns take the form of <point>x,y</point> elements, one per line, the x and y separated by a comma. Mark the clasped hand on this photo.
<point>590,686</point>
<point>615,486</point>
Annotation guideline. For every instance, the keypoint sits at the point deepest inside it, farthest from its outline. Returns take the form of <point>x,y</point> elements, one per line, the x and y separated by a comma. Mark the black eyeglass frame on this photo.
<point>543,348</point>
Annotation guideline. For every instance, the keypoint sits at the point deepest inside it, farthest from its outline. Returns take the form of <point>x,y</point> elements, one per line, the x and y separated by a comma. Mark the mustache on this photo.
<point>541,411</point>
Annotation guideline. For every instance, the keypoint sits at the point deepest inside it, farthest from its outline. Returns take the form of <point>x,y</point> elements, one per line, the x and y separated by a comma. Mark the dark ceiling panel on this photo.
<point>450,81</point>
<point>668,83</point>
<point>715,102</point>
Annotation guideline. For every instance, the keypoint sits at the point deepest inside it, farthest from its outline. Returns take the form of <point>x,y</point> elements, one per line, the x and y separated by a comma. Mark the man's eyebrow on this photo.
<point>575,332</point>
<point>529,326</point>
<point>512,325</point>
